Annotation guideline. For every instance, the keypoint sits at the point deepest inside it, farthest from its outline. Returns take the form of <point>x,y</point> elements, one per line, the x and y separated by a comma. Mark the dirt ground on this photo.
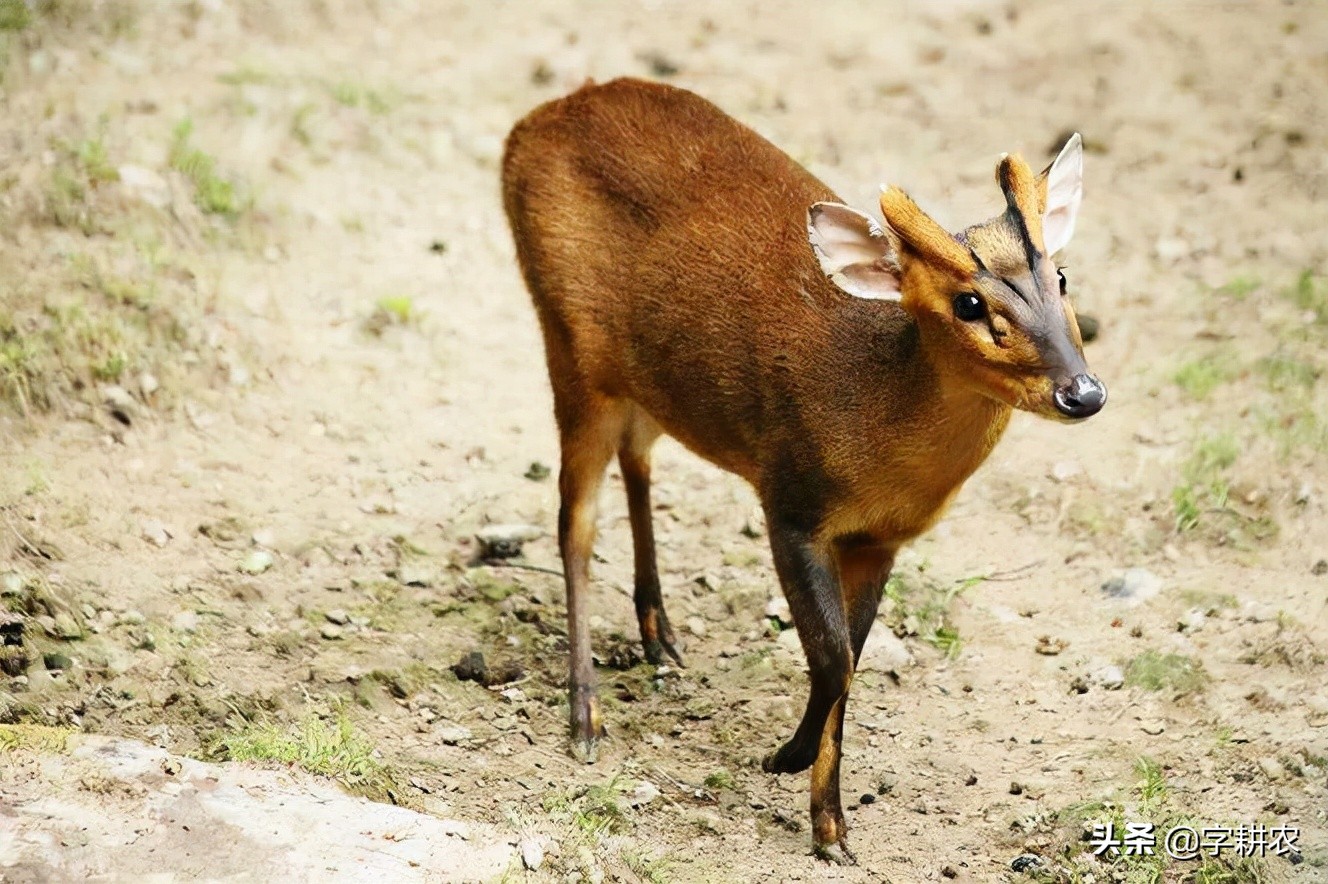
<point>276,526</point>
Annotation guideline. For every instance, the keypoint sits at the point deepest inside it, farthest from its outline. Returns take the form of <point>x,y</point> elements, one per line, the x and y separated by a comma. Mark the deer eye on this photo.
<point>969,307</point>
<point>1060,274</point>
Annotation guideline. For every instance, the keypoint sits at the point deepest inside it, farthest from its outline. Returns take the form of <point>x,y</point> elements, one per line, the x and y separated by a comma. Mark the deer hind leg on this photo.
<point>590,426</point>
<point>634,457</point>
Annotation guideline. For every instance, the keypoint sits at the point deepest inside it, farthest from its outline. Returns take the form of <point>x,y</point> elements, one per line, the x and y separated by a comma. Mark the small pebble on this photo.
<point>331,631</point>
<point>1134,585</point>
<point>57,661</point>
<point>1272,768</point>
<point>532,854</point>
<point>453,734</point>
<point>867,798</point>
<point>1025,861</point>
<point>337,616</point>
<point>256,562</point>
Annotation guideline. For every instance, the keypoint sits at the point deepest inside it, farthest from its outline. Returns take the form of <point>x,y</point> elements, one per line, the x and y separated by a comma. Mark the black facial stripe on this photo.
<point>982,268</point>
<point>1014,288</point>
<point>1030,250</point>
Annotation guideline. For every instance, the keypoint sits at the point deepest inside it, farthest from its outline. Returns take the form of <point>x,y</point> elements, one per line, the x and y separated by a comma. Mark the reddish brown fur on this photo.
<point>665,247</point>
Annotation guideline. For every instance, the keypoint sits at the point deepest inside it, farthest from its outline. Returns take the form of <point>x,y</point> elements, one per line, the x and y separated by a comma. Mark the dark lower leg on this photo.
<point>656,634</point>
<point>818,613</point>
<point>863,567</point>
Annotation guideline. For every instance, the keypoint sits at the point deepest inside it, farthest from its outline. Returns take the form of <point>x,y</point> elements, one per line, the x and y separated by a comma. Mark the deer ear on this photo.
<point>856,253</point>
<point>1063,183</point>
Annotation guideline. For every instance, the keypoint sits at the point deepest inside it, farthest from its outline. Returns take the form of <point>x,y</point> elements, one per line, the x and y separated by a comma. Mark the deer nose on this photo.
<point>1082,397</point>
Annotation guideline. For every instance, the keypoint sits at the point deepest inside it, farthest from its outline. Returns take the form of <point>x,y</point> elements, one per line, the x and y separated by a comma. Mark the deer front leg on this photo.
<point>807,574</point>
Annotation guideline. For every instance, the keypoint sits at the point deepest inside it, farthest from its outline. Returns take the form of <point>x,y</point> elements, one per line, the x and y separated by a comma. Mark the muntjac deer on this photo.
<point>692,279</point>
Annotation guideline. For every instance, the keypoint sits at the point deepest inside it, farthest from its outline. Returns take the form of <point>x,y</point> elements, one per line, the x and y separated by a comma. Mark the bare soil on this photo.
<point>356,387</point>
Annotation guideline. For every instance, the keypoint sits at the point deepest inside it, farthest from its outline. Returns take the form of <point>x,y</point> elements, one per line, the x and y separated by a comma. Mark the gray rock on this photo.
<point>156,533</point>
<point>65,626</point>
<point>1110,677</point>
<point>1134,586</point>
<point>331,631</point>
<point>185,621</point>
<point>532,854</point>
<point>11,583</point>
<point>644,793</point>
<point>884,651</point>
<point>1272,768</point>
<point>337,616</point>
<point>416,575</point>
<point>453,734</point>
<point>778,609</point>
<point>1025,862</point>
<point>696,626</point>
<point>504,541</point>
<point>146,185</point>
<point>256,562</point>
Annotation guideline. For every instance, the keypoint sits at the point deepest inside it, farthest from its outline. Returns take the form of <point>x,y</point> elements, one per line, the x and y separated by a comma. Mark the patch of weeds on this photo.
<point>329,748</point>
<point>1209,602</point>
<point>212,193</point>
<point>35,737</point>
<point>742,558</point>
<point>300,128</point>
<point>1239,287</point>
<point>1154,672</point>
<point>15,15</point>
<point>81,168</point>
<point>348,93</point>
<point>1200,377</point>
<point>193,670</point>
<point>407,680</point>
<point>1310,294</point>
<point>1297,426</point>
<point>1152,784</point>
<point>921,608</point>
<point>720,779</point>
<point>1284,372</point>
<point>1204,486</point>
<point>1289,646</point>
<point>595,810</point>
<point>650,869</point>
<point>1077,834</point>
<point>245,75</point>
<point>392,310</point>
<point>489,587</point>
<point>285,642</point>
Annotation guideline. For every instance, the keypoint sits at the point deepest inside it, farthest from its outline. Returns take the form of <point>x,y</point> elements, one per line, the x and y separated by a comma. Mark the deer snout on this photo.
<point>1082,396</point>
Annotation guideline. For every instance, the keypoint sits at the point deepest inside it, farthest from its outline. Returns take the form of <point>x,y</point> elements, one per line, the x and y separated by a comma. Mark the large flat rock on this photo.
<point>118,810</point>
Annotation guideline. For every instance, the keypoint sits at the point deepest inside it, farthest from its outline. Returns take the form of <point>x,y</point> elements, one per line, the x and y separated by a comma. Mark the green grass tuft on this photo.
<point>1240,287</point>
<point>1154,672</point>
<point>1204,485</point>
<point>331,749</point>
<point>1200,377</point>
<point>212,193</point>
<point>595,810</point>
<point>15,15</point>
<point>1310,293</point>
